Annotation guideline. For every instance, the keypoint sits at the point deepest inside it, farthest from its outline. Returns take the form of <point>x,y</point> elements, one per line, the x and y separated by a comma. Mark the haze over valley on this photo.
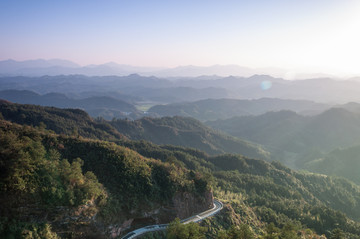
<point>158,119</point>
<point>199,122</point>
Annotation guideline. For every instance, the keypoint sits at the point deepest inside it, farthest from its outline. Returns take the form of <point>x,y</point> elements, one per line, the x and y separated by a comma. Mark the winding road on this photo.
<point>196,218</point>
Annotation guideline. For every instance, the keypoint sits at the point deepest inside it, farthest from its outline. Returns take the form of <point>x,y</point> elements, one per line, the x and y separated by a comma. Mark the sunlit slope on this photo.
<point>62,121</point>
<point>187,132</point>
<point>287,131</point>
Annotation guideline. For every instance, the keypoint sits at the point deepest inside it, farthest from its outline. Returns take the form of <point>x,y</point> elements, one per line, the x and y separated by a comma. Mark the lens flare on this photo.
<point>265,85</point>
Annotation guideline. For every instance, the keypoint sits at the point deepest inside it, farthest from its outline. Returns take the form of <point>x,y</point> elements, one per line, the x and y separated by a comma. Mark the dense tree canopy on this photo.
<point>45,172</point>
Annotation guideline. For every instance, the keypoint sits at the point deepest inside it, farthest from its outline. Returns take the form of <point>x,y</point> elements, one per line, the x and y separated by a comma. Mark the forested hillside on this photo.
<point>259,192</point>
<point>62,121</point>
<point>72,186</point>
<point>289,135</point>
<point>340,162</point>
<point>98,105</point>
<point>59,182</point>
<point>187,132</point>
<point>177,131</point>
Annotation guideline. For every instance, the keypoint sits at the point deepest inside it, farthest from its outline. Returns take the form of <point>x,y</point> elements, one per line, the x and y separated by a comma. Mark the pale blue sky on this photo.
<point>309,34</point>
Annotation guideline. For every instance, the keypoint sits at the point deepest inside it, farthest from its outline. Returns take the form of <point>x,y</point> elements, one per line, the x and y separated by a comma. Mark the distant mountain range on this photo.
<point>118,105</point>
<point>163,90</point>
<point>106,107</point>
<point>295,138</point>
<point>132,87</point>
<point>11,66</point>
<point>212,109</point>
<point>54,67</point>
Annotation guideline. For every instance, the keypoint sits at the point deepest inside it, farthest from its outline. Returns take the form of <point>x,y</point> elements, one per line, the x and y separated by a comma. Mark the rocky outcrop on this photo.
<point>82,222</point>
<point>187,204</point>
<point>183,205</point>
<point>115,230</point>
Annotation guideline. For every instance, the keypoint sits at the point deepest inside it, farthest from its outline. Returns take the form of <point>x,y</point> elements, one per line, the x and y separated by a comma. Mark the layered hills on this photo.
<point>341,162</point>
<point>96,106</point>
<point>68,185</point>
<point>295,136</point>
<point>187,132</point>
<point>114,104</point>
<point>213,109</point>
<point>171,90</point>
<point>170,130</point>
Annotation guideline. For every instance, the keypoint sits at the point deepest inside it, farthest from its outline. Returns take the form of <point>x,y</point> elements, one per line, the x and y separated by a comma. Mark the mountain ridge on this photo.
<point>295,136</point>
<point>212,109</point>
<point>56,66</point>
<point>95,105</point>
<point>177,131</point>
<point>187,132</point>
<point>149,87</point>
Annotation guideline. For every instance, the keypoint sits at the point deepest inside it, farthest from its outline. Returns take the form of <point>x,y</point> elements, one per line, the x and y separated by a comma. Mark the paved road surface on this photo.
<point>197,218</point>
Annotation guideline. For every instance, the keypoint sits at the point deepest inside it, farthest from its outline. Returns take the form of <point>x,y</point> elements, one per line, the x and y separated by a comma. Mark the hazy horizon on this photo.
<point>301,37</point>
<point>125,117</point>
<point>115,68</point>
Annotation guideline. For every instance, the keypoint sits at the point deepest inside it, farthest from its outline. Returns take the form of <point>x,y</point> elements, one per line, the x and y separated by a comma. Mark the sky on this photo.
<point>300,35</point>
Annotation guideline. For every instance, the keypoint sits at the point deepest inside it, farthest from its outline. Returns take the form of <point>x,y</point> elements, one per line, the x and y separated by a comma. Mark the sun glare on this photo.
<point>339,44</point>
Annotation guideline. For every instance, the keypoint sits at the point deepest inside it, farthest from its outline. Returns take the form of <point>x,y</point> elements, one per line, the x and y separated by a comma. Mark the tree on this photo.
<point>289,232</point>
<point>242,232</point>
<point>337,233</point>
<point>177,230</point>
<point>271,231</point>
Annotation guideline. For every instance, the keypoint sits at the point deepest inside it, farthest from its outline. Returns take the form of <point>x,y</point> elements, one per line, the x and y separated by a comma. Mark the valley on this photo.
<point>179,119</point>
<point>113,155</point>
